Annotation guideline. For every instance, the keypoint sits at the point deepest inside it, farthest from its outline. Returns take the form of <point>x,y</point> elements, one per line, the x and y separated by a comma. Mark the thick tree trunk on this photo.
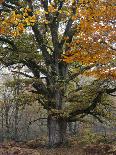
<point>57,126</point>
<point>56,131</point>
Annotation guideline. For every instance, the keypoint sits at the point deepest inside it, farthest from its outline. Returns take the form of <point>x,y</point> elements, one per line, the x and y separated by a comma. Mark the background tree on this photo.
<point>63,32</point>
<point>20,112</point>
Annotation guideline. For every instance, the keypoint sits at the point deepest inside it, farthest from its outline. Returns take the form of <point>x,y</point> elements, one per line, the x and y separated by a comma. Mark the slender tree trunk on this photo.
<point>16,122</point>
<point>70,125</point>
<point>7,122</point>
<point>16,94</point>
<point>56,131</point>
<point>2,125</point>
<point>75,127</point>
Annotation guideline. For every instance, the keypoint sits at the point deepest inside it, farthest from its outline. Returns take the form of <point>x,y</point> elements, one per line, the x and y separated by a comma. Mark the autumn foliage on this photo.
<point>91,37</point>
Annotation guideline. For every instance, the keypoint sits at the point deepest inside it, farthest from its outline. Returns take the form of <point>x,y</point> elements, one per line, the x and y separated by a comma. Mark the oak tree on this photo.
<point>62,34</point>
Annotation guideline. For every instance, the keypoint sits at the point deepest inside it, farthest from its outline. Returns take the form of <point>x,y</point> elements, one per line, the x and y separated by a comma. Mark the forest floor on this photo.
<point>11,149</point>
<point>17,150</point>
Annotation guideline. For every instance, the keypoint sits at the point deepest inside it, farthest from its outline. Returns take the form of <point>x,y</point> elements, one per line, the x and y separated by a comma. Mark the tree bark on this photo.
<point>56,131</point>
<point>56,125</point>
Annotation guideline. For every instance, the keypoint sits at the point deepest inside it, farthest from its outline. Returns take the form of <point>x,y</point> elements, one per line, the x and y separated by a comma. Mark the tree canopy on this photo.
<point>83,31</point>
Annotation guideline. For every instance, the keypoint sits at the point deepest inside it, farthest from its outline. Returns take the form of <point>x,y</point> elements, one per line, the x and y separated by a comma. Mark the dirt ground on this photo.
<point>27,151</point>
<point>22,149</point>
<point>10,149</point>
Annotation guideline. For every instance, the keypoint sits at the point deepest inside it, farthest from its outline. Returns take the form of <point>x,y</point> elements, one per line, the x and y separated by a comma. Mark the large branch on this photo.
<point>40,88</point>
<point>89,109</point>
<point>35,120</point>
<point>80,118</point>
<point>45,4</point>
<point>22,73</point>
<point>7,63</point>
<point>68,31</point>
<point>82,70</point>
<point>39,37</point>
<point>110,91</point>
<point>9,6</point>
<point>36,68</point>
<point>53,25</point>
<point>42,46</point>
